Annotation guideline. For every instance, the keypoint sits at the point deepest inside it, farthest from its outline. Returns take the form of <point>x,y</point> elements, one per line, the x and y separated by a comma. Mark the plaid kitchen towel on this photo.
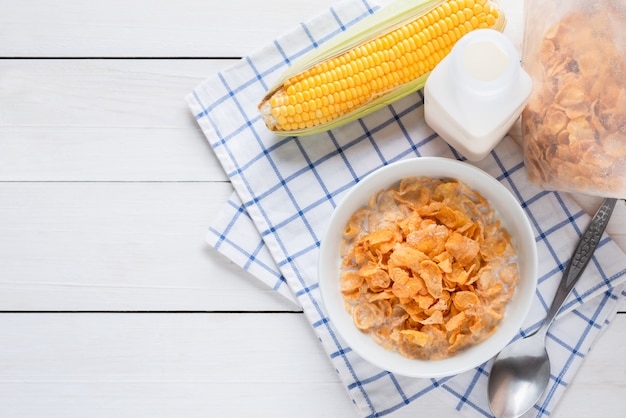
<point>286,189</point>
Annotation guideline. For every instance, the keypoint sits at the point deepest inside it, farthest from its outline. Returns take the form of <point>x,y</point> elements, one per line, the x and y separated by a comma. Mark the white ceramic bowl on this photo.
<point>507,209</point>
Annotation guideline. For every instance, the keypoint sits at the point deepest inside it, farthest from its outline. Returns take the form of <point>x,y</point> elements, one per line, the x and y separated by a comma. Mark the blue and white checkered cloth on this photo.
<point>286,189</point>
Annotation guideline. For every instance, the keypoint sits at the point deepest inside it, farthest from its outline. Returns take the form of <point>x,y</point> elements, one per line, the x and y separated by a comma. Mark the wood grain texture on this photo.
<point>164,365</point>
<point>103,120</point>
<point>198,365</point>
<point>147,28</point>
<point>120,246</point>
<point>107,187</point>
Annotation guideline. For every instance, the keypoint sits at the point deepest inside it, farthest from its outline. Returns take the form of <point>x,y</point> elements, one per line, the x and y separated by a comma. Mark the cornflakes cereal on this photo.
<point>427,268</point>
<point>574,126</point>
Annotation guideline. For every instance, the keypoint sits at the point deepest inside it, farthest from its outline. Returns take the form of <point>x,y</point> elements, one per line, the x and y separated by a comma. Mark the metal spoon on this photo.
<point>521,372</point>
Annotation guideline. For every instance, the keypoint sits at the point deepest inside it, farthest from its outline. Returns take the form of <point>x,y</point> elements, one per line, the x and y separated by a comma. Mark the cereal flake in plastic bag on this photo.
<point>574,125</point>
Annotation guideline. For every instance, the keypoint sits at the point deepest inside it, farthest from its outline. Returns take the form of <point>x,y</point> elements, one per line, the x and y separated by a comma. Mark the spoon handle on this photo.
<point>582,255</point>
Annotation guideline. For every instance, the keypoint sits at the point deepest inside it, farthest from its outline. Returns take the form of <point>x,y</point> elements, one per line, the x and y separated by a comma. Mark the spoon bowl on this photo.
<point>521,377</point>
<point>521,372</point>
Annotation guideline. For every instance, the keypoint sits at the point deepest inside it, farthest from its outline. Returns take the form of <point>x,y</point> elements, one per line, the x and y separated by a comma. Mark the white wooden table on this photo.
<point>111,304</point>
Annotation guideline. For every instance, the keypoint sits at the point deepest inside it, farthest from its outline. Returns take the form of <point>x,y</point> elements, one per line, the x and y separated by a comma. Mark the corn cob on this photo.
<point>376,71</point>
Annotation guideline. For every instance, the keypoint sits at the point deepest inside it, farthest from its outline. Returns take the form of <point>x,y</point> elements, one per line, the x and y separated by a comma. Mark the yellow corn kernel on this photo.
<point>330,89</point>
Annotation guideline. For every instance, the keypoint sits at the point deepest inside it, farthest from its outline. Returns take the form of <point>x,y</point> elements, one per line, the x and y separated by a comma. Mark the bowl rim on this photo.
<point>514,219</point>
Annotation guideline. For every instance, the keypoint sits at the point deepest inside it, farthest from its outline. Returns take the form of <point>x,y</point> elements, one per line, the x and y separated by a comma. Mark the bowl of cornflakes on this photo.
<point>428,267</point>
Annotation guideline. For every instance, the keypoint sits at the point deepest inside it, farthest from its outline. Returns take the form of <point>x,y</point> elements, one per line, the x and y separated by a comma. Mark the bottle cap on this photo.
<point>484,63</point>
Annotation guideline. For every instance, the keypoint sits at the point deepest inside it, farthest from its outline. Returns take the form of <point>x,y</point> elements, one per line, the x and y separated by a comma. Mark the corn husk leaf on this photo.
<point>393,16</point>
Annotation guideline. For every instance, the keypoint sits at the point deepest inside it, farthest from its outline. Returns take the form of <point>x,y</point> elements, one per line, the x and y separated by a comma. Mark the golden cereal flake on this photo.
<point>427,268</point>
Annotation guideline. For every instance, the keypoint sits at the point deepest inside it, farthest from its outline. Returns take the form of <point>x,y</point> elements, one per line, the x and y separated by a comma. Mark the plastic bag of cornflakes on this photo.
<point>574,125</point>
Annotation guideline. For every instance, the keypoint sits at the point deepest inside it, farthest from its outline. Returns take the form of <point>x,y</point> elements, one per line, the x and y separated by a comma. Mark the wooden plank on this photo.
<point>185,365</point>
<point>107,153</point>
<point>599,386</point>
<point>119,246</point>
<point>197,365</point>
<point>98,93</point>
<point>95,120</point>
<point>175,399</point>
<point>184,28</point>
